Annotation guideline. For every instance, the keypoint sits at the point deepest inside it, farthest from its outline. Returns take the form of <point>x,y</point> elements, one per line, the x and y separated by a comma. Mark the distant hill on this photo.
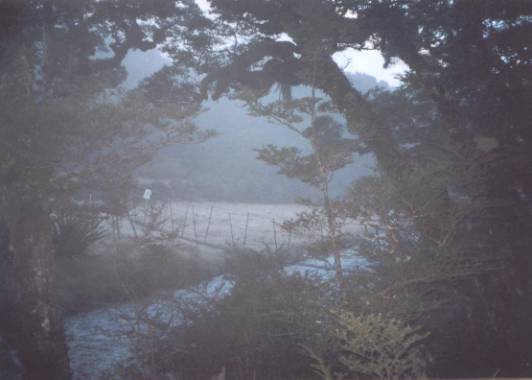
<point>225,168</point>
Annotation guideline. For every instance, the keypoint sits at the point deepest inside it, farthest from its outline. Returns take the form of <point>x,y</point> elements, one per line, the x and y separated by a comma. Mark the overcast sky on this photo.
<point>370,62</point>
<point>350,60</point>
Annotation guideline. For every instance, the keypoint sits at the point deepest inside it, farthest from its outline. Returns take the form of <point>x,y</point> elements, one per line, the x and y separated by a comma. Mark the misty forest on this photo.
<point>265,189</point>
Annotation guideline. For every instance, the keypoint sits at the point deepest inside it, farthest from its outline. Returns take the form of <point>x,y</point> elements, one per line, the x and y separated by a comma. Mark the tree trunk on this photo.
<point>361,118</point>
<point>39,335</point>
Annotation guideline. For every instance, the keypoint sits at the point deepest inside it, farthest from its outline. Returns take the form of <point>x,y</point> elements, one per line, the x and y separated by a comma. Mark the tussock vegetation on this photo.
<point>92,281</point>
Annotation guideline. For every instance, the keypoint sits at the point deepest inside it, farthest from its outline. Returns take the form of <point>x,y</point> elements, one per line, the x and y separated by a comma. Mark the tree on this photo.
<point>329,152</point>
<point>426,268</point>
<point>64,128</point>
<point>316,32</point>
<point>470,60</point>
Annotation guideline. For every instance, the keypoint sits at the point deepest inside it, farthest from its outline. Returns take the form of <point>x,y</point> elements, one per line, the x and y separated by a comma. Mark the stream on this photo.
<point>100,340</point>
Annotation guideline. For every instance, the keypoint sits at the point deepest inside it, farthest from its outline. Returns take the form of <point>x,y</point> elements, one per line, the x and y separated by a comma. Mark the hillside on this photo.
<point>225,168</point>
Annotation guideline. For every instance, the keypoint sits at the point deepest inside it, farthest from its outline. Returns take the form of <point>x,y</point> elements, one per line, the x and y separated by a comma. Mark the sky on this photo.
<point>352,61</point>
<point>370,62</point>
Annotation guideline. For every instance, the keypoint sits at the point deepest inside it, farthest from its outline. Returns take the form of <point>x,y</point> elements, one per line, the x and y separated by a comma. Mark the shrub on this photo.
<point>375,347</point>
<point>91,281</point>
<point>256,332</point>
<point>74,232</point>
<point>161,267</point>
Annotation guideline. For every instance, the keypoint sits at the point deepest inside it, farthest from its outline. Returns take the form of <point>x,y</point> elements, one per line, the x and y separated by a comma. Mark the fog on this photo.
<point>265,189</point>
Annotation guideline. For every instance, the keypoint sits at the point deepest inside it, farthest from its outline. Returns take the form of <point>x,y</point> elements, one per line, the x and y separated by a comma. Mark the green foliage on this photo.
<point>127,275</point>
<point>75,232</point>
<point>151,225</point>
<point>161,267</point>
<point>250,266</point>
<point>329,152</point>
<point>447,214</point>
<point>66,126</point>
<point>374,346</point>
<point>254,333</point>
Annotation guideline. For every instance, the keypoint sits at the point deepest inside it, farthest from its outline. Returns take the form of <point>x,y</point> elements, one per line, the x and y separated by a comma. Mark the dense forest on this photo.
<point>415,200</point>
